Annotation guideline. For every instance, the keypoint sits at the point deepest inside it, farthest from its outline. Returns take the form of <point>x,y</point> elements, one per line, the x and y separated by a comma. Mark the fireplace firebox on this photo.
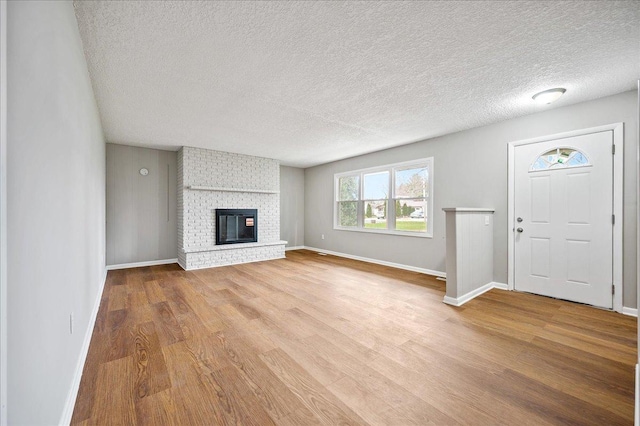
<point>235,226</point>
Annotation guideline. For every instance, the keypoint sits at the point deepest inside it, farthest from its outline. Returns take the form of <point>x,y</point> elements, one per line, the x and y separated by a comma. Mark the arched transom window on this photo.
<point>560,158</point>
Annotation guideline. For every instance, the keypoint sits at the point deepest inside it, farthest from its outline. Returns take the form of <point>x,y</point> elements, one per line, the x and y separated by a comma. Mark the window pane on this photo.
<point>394,197</point>
<point>411,215</point>
<point>577,159</point>
<point>376,186</point>
<point>559,158</point>
<point>349,187</point>
<point>412,183</point>
<point>348,213</point>
<point>375,214</point>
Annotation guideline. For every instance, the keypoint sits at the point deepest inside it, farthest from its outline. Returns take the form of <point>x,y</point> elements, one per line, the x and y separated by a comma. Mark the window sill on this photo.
<point>385,232</point>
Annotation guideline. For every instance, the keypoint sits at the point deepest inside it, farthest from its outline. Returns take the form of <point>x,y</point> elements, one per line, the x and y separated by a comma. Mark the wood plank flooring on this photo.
<point>315,340</point>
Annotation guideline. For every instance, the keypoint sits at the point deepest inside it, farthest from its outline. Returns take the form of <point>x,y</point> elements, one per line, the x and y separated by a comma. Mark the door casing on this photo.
<point>618,164</point>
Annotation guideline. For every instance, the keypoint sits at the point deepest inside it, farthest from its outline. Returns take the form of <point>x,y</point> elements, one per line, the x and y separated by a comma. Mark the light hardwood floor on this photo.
<point>316,339</point>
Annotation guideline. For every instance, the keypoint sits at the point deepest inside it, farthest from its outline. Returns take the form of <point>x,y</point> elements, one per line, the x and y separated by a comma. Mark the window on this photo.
<point>410,198</point>
<point>559,158</point>
<point>348,192</point>
<point>392,199</point>
<point>376,196</point>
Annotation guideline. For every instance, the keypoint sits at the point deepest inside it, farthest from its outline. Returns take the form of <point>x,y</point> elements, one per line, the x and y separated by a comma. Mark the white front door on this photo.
<point>563,192</point>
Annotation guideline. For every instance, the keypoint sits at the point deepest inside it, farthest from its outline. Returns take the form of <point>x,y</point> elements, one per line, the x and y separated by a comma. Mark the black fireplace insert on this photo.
<point>234,226</point>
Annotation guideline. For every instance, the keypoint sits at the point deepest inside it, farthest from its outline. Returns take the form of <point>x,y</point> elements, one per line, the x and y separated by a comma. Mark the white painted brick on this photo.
<point>229,257</point>
<point>196,216</point>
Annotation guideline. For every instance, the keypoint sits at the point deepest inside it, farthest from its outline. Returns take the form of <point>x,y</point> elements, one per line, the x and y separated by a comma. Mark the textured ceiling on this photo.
<point>312,82</point>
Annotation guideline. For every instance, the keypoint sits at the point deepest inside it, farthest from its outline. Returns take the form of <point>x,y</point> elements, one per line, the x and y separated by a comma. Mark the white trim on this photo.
<point>511,172</point>
<point>632,312</point>
<point>637,404</point>
<point>379,262</point>
<point>636,416</point>
<point>384,167</point>
<point>618,211</point>
<point>618,170</point>
<point>294,248</point>
<point>459,301</point>
<point>70,403</point>
<point>391,199</point>
<point>3,213</point>
<point>140,264</point>
<point>500,286</point>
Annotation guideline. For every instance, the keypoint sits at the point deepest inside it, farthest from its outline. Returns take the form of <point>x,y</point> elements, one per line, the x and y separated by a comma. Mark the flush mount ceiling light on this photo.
<point>548,96</point>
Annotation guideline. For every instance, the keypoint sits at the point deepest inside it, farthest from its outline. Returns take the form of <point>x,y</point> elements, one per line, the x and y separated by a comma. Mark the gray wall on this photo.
<point>292,206</point>
<point>56,207</point>
<point>141,210</point>
<point>471,171</point>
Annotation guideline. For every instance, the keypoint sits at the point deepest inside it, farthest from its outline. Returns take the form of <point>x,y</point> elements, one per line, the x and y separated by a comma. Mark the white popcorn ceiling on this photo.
<point>312,82</point>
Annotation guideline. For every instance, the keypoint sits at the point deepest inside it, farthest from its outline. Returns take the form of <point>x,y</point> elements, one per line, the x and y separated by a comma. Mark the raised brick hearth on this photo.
<point>209,180</point>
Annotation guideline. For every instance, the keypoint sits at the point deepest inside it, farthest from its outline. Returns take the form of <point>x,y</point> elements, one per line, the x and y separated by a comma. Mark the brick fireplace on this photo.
<point>210,180</point>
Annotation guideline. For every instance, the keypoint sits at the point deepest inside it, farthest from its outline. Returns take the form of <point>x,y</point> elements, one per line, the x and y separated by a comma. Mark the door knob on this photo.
<point>520,230</point>
<point>519,219</point>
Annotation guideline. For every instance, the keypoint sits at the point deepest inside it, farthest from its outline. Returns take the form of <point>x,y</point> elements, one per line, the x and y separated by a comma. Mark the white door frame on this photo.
<point>618,164</point>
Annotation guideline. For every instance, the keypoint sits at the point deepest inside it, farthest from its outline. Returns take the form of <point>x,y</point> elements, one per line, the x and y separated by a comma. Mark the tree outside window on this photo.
<point>348,194</point>
<point>393,199</point>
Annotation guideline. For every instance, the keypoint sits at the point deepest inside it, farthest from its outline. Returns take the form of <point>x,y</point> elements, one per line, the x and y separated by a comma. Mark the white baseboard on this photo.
<point>500,286</point>
<point>294,248</point>
<point>637,405</point>
<point>632,312</point>
<point>140,264</point>
<point>70,403</point>
<point>379,262</point>
<point>459,301</point>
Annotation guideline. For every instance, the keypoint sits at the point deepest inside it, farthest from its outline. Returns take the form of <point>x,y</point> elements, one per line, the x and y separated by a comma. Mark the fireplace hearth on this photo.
<point>236,226</point>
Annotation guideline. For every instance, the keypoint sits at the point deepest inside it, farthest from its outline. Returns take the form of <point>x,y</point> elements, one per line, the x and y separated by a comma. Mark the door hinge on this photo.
<point>613,219</point>
<point>613,149</point>
<point>613,289</point>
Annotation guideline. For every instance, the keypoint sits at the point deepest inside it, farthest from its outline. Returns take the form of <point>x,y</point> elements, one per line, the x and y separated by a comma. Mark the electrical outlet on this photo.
<point>323,236</point>
<point>71,323</point>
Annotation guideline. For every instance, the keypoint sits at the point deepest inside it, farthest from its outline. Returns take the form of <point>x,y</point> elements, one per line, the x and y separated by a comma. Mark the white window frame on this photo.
<point>391,214</point>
